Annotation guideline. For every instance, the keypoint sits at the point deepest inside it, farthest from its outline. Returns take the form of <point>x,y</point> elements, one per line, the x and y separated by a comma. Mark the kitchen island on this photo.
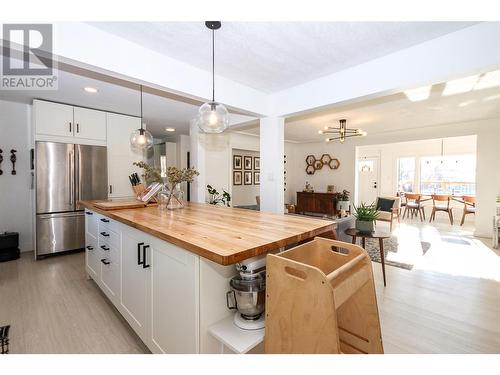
<point>167,272</point>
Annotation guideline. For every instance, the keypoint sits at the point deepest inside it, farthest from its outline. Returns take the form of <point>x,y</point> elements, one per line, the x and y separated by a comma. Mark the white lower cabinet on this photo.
<point>154,285</point>
<point>136,282</point>
<point>174,299</point>
<point>92,256</point>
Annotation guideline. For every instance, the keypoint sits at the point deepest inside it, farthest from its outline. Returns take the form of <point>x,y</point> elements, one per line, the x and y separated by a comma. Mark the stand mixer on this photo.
<point>248,292</point>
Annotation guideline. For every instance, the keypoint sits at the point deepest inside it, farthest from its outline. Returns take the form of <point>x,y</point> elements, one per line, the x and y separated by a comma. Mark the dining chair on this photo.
<point>469,207</point>
<point>438,205</point>
<point>414,205</point>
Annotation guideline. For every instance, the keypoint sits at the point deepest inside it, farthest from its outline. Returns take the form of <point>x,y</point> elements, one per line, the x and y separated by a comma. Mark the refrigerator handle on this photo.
<point>71,177</point>
<point>78,176</point>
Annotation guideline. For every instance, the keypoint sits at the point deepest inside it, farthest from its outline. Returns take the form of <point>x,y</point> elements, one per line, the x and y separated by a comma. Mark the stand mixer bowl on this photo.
<point>249,296</point>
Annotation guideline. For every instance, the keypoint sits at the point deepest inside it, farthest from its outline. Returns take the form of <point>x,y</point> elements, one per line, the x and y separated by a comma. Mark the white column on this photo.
<point>272,148</point>
<point>197,156</point>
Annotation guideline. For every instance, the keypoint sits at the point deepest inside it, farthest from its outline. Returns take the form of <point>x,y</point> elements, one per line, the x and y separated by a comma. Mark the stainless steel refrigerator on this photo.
<point>65,174</point>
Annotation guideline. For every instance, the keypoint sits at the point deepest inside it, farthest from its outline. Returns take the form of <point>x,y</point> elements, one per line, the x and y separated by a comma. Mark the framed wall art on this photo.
<point>256,163</point>
<point>247,178</point>
<point>237,160</point>
<point>247,163</point>
<point>237,178</point>
<point>256,178</point>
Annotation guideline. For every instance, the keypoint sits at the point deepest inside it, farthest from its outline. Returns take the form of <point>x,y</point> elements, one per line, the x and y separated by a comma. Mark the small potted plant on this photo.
<point>366,214</point>
<point>216,197</point>
<point>342,200</point>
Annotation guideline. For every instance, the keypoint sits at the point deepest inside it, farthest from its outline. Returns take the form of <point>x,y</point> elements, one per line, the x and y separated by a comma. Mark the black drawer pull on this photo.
<point>88,213</point>
<point>105,220</point>
<point>104,247</point>
<point>139,261</point>
<point>104,234</point>
<point>105,261</point>
<point>144,265</point>
<point>90,248</point>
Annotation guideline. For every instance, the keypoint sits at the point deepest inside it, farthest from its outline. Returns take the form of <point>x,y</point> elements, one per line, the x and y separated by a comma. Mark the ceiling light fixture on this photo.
<point>90,90</point>
<point>213,117</point>
<point>342,132</point>
<point>418,94</point>
<point>170,129</point>
<point>141,139</point>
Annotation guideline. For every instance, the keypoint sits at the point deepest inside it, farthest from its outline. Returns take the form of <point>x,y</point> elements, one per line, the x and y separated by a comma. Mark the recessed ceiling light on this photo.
<point>90,90</point>
<point>170,129</point>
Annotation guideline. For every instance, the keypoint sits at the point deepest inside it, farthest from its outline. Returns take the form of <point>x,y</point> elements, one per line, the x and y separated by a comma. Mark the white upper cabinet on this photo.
<point>89,124</point>
<point>66,123</point>
<point>53,119</point>
<point>120,155</point>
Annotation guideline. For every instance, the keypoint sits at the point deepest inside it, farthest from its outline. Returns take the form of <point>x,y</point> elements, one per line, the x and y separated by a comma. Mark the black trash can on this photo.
<point>9,246</point>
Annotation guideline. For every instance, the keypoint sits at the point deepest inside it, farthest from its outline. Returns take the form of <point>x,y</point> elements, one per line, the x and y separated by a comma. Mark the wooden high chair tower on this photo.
<point>320,298</point>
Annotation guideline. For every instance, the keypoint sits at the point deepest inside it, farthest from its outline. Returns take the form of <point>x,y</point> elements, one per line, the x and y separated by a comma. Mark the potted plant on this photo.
<point>366,214</point>
<point>342,200</point>
<point>216,197</point>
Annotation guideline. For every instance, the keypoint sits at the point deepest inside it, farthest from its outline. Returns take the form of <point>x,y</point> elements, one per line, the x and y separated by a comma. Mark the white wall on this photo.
<point>244,195</point>
<point>487,170</point>
<point>15,193</point>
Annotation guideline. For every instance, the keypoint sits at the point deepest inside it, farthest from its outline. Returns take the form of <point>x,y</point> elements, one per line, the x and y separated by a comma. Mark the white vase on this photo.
<point>343,205</point>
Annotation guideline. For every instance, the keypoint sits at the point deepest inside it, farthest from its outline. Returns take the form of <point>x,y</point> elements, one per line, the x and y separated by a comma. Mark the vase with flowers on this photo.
<point>175,176</point>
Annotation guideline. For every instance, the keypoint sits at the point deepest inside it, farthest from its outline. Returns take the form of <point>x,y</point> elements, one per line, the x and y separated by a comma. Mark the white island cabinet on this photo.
<point>155,285</point>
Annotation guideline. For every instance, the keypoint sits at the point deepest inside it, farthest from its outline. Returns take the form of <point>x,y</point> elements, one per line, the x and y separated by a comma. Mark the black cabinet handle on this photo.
<point>88,213</point>
<point>77,127</point>
<point>70,128</point>
<point>104,234</point>
<point>90,248</point>
<point>105,220</point>
<point>139,262</point>
<point>144,265</point>
<point>104,247</point>
<point>105,261</point>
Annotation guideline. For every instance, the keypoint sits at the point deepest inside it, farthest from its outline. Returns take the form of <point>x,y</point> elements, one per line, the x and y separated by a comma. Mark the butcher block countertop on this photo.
<point>221,234</point>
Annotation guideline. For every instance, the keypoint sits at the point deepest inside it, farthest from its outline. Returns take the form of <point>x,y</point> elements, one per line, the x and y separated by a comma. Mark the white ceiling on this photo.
<point>159,111</point>
<point>273,56</point>
<point>396,112</point>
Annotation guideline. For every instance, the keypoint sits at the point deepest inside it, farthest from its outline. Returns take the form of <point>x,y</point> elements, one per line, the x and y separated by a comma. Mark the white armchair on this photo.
<point>389,213</point>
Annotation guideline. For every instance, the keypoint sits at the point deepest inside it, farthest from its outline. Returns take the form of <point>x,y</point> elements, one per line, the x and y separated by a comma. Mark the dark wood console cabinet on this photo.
<point>321,203</point>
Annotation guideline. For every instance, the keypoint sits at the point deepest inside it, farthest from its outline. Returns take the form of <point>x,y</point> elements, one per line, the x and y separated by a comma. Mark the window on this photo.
<point>406,174</point>
<point>448,174</point>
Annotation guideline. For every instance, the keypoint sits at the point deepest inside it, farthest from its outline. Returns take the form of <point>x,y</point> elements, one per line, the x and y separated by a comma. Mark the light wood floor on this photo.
<point>53,308</point>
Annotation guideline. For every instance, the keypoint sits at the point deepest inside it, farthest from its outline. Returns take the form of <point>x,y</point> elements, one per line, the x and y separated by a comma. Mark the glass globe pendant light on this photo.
<point>213,117</point>
<point>141,139</point>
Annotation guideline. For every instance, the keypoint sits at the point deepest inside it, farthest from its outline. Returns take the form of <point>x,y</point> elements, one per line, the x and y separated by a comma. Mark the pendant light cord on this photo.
<point>213,65</point>
<point>141,109</point>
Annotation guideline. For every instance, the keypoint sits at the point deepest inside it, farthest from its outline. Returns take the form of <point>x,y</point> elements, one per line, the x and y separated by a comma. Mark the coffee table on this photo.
<point>354,233</point>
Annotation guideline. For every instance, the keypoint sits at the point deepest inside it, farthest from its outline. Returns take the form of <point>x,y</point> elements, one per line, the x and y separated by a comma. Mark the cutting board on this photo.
<point>119,205</point>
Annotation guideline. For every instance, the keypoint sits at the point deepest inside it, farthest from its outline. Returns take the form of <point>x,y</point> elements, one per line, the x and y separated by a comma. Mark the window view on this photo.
<point>455,174</point>
<point>406,174</point>
<point>448,174</point>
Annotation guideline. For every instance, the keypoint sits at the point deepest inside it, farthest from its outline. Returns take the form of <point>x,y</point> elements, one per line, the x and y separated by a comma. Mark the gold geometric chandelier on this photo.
<point>342,132</point>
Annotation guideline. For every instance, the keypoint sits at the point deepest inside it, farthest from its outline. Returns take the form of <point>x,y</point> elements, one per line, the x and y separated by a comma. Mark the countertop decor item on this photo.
<point>341,200</point>
<point>365,214</point>
<point>218,198</point>
<point>213,117</point>
<point>150,175</point>
<point>320,299</point>
<point>342,132</point>
<point>175,176</point>
<point>141,139</point>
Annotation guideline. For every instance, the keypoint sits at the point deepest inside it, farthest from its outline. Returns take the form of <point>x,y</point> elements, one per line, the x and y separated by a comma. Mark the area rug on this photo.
<point>391,248</point>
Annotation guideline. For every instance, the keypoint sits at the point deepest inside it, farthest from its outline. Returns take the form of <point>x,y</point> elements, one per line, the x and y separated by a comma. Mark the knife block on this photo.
<point>320,298</point>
